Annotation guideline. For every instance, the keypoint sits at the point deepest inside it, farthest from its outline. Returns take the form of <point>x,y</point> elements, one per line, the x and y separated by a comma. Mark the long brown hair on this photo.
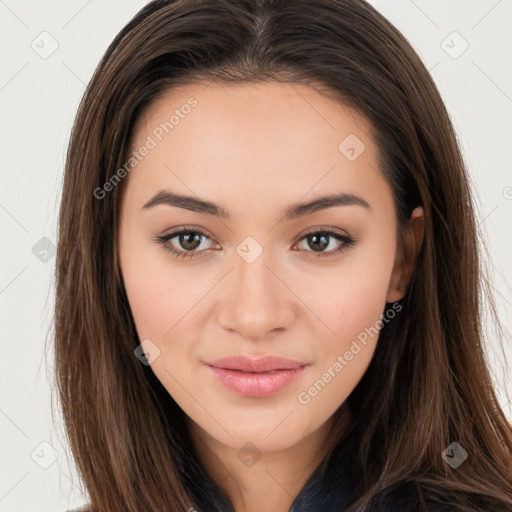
<point>427,385</point>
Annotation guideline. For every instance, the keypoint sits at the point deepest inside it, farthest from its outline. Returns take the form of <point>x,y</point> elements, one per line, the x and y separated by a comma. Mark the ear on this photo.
<point>405,259</point>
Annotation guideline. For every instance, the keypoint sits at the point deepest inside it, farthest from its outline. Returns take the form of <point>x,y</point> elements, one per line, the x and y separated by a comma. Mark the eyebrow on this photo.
<point>298,210</point>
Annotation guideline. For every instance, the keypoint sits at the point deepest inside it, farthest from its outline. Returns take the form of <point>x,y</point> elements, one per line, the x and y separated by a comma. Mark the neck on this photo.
<point>274,481</point>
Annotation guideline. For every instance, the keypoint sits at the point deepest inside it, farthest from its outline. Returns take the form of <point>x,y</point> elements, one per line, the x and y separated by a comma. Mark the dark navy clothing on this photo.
<point>332,484</point>
<point>329,489</point>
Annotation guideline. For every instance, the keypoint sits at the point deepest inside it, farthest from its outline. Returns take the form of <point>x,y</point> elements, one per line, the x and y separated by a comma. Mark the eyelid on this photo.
<point>166,237</point>
<point>184,229</point>
<point>341,236</point>
<point>322,229</point>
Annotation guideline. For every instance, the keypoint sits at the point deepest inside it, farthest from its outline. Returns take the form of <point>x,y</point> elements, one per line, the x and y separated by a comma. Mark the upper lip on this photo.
<point>264,364</point>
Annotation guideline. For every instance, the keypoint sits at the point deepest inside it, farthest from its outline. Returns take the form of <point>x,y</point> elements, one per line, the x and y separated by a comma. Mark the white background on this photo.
<point>38,101</point>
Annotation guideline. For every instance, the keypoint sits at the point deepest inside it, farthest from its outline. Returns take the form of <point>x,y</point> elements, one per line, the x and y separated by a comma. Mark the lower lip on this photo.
<point>256,385</point>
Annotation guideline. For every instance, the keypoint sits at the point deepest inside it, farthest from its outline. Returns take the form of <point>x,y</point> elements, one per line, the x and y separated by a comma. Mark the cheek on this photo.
<point>149,302</point>
<point>348,301</point>
<point>164,304</point>
<point>350,305</point>
<point>349,298</point>
<point>158,294</point>
<point>355,305</point>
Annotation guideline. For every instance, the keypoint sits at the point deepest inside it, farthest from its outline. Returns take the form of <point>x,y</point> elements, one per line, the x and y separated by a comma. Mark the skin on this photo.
<point>256,150</point>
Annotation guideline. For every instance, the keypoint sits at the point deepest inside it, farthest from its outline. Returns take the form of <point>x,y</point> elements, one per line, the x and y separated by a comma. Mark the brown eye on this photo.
<point>184,242</point>
<point>319,241</point>
<point>189,241</point>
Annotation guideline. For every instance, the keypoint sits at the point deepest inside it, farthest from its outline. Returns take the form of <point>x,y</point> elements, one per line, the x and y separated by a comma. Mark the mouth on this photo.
<point>256,378</point>
<point>261,365</point>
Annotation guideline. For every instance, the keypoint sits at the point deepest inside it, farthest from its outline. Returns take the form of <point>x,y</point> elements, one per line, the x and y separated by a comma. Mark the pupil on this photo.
<point>322,239</point>
<point>190,238</point>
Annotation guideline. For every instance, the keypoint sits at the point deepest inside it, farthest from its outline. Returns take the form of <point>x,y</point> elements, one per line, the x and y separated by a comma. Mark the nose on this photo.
<point>257,300</point>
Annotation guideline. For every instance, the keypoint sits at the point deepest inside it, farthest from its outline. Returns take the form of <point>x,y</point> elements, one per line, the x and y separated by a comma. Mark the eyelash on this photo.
<point>164,239</point>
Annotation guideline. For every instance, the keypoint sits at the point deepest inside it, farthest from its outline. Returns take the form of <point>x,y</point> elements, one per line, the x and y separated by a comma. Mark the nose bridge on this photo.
<point>258,301</point>
<point>254,279</point>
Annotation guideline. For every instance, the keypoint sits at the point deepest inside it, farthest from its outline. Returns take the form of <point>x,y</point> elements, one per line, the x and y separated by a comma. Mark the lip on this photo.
<point>256,378</point>
<point>263,364</point>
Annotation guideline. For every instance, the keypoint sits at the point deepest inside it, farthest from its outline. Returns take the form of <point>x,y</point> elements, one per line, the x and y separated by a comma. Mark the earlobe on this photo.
<point>397,286</point>
<point>405,260</point>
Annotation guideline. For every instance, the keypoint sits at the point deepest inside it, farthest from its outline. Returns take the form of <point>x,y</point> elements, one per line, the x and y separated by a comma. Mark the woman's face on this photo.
<point>257,275</point>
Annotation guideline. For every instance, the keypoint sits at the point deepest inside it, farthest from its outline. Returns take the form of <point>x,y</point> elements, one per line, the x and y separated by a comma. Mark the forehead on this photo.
<point>264,140</point>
